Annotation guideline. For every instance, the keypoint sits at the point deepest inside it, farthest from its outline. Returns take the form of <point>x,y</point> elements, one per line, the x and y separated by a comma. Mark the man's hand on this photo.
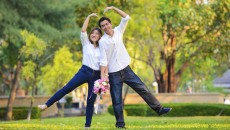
<point>108,8</point>
<point>120,12</point>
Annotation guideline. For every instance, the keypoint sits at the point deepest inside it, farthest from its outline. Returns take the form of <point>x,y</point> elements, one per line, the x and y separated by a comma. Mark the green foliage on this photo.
<point>29,69</point>
<point>201,32</point>
<point>68,103</point>
<point>136,110</point>
<point>20,113</point>
<point>179,109</point>
<point>199,75</point>
<point>142,33</point>
<point>85,7</point>
<point>60,72</point>
<point>34,47</point>
<point>52,21</point>
<point>33,50</point>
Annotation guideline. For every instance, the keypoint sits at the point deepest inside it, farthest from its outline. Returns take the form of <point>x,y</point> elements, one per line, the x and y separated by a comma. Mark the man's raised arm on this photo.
<point>120,12</point>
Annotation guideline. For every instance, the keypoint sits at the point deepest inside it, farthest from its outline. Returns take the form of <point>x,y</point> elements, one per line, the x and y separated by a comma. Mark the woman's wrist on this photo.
<point>104,75</point>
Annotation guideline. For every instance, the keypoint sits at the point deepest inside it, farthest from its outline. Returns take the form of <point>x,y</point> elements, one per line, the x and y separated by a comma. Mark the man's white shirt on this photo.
<point>91,55</point>
<point>113,51</point>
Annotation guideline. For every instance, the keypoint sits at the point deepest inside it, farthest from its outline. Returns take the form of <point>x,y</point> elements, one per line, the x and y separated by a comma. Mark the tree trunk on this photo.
<point>167,83</point>
<point>33,91</point>
<point>9,109</point>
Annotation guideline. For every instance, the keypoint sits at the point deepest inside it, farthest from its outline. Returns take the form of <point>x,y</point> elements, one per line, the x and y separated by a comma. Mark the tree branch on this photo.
<point>199,37</point>
<point>185,65</point>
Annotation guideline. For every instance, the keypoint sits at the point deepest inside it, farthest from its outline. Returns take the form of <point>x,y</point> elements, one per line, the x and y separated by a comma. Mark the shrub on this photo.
<point>21,113</point>
<point>110,110</point>
<point>136,110</point>
<point>179,109</point>
<point>68,103</point>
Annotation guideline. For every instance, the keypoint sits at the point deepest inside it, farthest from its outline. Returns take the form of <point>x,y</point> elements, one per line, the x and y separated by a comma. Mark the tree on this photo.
<point>189,36</point>
<point>14,85</point>
<point>52,23</point>
<point>32,50</point>
<point>185,37</point>
<point>172,35</point>
<point>56,75</point>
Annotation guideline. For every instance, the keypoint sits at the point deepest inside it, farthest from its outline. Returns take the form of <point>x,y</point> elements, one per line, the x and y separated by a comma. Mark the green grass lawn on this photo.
<point>107,122</point>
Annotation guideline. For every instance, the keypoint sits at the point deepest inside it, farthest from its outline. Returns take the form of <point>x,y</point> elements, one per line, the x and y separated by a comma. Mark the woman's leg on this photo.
<point>90,100</point>
<point>81,77</point>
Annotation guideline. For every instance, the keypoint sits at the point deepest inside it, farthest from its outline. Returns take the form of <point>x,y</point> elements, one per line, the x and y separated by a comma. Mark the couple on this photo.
<point>106,57</point>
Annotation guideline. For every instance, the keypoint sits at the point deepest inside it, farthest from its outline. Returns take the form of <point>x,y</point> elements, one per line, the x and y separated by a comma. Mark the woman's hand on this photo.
<point>93,14</point>
<point>86,22</point>
<point>106,77</point>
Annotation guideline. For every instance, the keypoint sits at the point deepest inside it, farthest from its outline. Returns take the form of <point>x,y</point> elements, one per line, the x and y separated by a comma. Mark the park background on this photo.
<point>179,48</point>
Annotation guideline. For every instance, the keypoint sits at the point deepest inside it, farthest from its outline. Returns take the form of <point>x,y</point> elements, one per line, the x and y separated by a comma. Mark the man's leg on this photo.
<point>135,82</point>
<point>116,83</point>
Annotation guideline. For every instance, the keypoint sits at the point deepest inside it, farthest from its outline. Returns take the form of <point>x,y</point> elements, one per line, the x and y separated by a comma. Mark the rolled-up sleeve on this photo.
<point>124,21</point>
<point>103,57</point>
<point>84,38</point>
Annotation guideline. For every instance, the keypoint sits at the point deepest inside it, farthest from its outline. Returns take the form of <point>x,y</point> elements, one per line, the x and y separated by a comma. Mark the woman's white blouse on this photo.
<point>91,54</point>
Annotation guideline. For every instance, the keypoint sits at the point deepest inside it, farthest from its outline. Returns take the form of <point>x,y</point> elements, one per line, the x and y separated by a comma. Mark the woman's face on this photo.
<point>95,36</point>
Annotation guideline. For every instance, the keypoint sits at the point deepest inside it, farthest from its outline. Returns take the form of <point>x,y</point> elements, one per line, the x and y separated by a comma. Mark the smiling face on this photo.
<point>106,26</point>
<point>95,36</point>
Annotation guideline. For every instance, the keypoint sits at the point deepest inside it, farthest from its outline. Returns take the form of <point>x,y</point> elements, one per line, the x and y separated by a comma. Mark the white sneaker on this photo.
<point>87,128</point>
<point>42,107</point>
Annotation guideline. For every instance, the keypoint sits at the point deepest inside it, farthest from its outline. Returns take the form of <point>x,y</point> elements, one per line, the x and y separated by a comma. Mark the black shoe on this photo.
<point>164,111</point>
<point>120,127</point>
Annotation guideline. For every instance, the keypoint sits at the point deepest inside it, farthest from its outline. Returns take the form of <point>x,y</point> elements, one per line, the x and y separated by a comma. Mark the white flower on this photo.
<point>97,84</point>
<point>216,51</point>
<point>104,83</point>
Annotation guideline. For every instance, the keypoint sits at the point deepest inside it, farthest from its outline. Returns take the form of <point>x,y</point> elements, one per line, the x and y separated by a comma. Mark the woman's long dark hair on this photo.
<point>100,32</point>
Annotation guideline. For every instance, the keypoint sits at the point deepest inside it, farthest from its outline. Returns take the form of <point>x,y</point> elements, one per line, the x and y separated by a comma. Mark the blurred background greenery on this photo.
<point>178,44</point>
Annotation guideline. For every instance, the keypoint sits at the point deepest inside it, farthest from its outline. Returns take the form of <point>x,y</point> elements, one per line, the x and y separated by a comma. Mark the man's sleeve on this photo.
<point>124,21</point>
<point>103,57</point>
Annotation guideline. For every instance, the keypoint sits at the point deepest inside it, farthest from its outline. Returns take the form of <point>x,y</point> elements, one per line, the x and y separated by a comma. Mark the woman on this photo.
<point>88,73</point>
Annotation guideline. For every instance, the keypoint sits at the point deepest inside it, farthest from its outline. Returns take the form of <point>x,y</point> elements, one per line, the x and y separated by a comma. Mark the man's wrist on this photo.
<point>114,8</point>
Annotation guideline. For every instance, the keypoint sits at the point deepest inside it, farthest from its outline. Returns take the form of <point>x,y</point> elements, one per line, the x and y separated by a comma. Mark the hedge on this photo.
<point>178,109</point>
<point>20,113</point>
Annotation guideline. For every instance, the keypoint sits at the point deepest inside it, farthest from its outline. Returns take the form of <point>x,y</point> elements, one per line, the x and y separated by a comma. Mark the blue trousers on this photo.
<point>84,75</point>
<point>127,76</point>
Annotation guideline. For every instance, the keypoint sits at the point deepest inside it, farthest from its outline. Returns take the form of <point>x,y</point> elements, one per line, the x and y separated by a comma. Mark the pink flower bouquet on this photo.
<point>101,87</point>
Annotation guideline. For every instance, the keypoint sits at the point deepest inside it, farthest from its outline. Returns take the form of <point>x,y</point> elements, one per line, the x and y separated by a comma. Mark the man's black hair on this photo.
<point>102,19</point>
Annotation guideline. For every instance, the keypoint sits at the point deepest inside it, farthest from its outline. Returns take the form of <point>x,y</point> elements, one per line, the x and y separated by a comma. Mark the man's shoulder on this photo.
<point>103,37</point>
<point>101,41</point>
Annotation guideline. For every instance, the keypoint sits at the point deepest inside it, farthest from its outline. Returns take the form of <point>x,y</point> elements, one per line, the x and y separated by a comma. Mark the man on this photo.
<point>115,56</point>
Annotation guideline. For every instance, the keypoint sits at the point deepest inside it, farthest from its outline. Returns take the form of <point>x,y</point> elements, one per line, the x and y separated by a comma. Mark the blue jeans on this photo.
<point>84,75</point>
<point>127,76</point>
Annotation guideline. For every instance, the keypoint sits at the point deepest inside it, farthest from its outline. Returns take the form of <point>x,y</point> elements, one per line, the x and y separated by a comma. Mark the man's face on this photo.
<point>106,27</point>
